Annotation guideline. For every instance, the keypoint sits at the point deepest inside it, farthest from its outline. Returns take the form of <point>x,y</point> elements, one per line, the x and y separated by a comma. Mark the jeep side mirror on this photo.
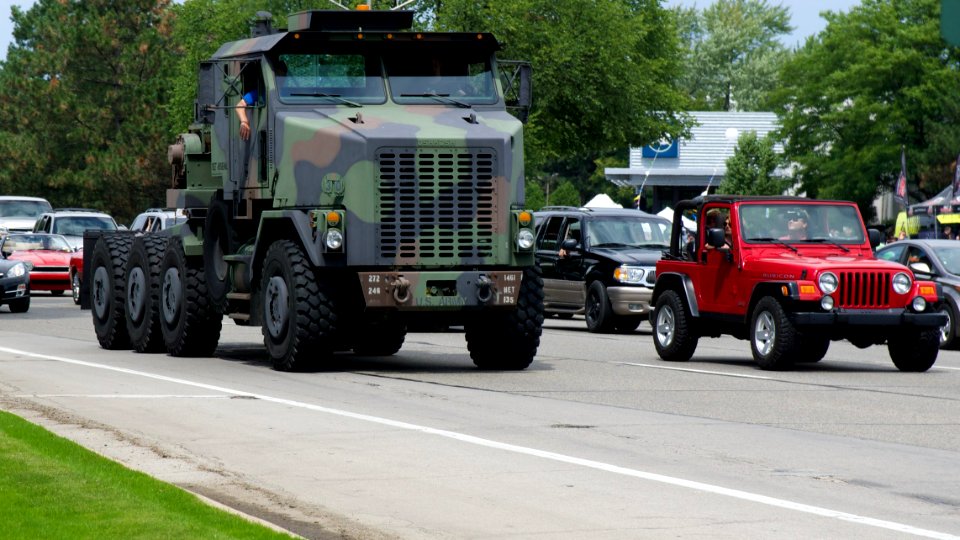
<point>875,238</point>
<point>716,238</point>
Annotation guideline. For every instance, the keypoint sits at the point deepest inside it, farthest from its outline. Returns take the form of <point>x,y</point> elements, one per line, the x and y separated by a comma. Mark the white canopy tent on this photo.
<point>602,201</point>
<point>688,223</point>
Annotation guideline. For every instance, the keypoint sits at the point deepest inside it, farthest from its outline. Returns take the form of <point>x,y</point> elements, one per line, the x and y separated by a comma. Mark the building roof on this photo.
<point>701,158</point>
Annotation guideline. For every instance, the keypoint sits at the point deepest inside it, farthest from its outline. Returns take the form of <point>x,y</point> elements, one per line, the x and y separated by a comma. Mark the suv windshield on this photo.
<point>823,223</point>
<point>22,209</point>
<point>75,225</point>
<point>620,232</point>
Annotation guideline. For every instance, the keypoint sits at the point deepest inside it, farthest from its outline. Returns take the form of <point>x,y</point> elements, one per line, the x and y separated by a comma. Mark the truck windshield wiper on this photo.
<point>332,96</point>
<point>775,241</point>
<point>829,241</point>
<point>442,98</point>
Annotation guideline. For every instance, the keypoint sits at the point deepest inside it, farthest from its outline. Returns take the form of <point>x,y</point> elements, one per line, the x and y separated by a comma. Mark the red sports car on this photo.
<point>48,256</point>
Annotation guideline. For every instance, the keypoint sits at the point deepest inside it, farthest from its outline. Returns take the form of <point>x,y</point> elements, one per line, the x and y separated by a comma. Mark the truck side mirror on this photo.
<point>516,77</point>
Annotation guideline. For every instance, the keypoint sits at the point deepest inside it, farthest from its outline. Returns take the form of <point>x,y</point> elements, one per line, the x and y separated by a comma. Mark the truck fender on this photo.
<point>283,225</point>
<point>680,283</point>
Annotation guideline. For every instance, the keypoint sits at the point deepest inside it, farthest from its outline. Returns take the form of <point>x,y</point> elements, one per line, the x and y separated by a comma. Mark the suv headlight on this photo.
<point>902,283</point>
<point>630,274</point>
<point>17,270</point>
<point>828,282</point>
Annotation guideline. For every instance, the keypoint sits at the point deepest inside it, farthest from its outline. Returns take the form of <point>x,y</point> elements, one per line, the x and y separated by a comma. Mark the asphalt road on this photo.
<point>597,439</point>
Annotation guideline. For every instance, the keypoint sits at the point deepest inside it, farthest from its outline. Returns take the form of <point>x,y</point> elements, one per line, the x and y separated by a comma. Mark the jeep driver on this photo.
<point>793,275</point>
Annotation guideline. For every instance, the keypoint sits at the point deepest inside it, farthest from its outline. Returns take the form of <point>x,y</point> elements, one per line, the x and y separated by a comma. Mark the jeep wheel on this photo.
<point>914,350</point>
<point>773,338</point>
<point>143,293</point>
<point>189,323</point>
<point>597,311</point>
<point>948,332</point>
<point>509,340</point>
<point>107,290</point>
<point>383,338</point>
<point>299,315</point>
<point>673,333</point>
<point>75,286</point>
<point>812,349</point>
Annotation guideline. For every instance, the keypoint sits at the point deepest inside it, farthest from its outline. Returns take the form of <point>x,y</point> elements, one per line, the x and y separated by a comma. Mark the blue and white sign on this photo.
<point>663,149</point>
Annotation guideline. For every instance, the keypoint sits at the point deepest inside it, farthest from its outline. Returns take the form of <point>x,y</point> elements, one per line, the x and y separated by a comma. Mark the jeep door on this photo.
<point>719,272</point>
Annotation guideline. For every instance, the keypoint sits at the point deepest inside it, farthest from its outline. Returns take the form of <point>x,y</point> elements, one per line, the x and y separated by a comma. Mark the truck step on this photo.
<point>244,296</point>
<point>238,258</point>
<point>239,316</point>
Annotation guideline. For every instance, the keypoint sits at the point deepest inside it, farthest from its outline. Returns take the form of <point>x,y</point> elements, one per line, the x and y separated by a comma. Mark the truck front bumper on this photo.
<point>440,290</point>
<point>889,317</point>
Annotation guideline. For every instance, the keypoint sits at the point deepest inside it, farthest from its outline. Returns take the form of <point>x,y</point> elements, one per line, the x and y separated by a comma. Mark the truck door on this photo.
<point>245,155</point>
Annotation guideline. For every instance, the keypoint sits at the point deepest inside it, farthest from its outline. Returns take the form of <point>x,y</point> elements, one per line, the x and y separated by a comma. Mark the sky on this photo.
<point>804,15</point>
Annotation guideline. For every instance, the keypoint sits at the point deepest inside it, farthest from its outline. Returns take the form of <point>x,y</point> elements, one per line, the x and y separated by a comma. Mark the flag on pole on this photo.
<point>956,179</point>
<point>900,190</point>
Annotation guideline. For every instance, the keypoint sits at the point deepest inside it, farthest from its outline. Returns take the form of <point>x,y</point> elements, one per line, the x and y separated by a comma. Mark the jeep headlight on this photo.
<point>629,274</point>
<point>17,270</point>
<point>828,282</point>
<point>334,239</point>
<point>525,239</point>
<point>902,283</point>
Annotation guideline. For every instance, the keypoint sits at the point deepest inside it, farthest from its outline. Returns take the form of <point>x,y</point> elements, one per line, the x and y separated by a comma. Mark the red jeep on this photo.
<point>790,274</point>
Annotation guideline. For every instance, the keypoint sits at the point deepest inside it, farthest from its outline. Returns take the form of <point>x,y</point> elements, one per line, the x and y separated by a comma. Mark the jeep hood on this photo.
<point>800,261</point>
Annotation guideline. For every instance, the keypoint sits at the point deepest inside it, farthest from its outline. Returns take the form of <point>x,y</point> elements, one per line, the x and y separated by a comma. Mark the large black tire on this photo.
<point>219,239</point>
<point>914,350</point>
<point>75,286</point>
<point>812,349</point>
<point>773,338</point>
<point>143,293</point>
<point>107,291</point>
<point>674,335</point>
<point>625,324</point>
<point>509,340</point>
<point>597,311</point>
<point>57,293</point>
<point>300,315</point>
<point>20,305</point>
<point>948,332</point>
<point>189,323</point>
<point>382,338</point>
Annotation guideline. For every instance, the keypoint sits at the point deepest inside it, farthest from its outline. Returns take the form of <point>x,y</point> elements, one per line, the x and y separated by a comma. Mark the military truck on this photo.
<point>790,275</point>
<point>378,183</point>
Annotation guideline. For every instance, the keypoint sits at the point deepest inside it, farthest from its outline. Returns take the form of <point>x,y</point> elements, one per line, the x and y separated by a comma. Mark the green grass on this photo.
<point>53,488</point>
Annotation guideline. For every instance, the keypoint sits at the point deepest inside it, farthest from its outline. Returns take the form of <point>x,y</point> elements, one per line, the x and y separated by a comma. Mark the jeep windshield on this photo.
<point>798,223</point>
<point>617,232</point>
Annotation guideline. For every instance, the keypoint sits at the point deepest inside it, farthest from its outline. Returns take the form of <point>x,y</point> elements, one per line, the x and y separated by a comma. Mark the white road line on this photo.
<point>707,372</point>
<point>597,465</point>
<point>129,396</point>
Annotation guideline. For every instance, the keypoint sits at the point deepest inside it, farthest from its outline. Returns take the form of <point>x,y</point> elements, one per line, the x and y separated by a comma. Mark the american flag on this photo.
<point>900,191</point>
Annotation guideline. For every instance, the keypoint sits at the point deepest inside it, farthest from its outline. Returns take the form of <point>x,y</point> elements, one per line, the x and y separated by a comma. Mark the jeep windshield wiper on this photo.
<point>775,241</point>
<point>829,241</point>
<point>442,98</point>
<point>332,96</point>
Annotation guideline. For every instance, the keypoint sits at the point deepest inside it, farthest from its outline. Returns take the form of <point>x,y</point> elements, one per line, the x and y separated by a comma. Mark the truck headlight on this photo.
<point>525,239</point>
<point>902,283</point>
<point>17,270</point>
<point>828,282</point>
<point>334,239</point>
<point>629,274</point>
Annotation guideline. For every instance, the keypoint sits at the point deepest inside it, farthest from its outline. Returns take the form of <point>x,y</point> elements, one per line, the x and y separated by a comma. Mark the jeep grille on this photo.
<point>864,290</point>
<point>434,204</point>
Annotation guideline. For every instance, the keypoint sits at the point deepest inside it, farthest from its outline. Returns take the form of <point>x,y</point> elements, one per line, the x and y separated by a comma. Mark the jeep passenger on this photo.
<point>790,274</point>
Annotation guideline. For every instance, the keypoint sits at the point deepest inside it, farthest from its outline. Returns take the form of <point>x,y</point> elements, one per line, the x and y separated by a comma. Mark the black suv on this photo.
<point>600,262</point>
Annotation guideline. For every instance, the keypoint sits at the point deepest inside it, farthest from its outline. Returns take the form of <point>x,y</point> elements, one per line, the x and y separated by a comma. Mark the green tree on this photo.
<point>535,197</point>
<point>566,194</point>
<point>84,81</point>
<point>877,78</point>
<point>750,170</point>
<point>732,53</point>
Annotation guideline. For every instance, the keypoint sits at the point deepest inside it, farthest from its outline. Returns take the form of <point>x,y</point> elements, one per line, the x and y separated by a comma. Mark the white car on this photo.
<point>19,214</point>
<point>157,219</point>
<point>72,222</point>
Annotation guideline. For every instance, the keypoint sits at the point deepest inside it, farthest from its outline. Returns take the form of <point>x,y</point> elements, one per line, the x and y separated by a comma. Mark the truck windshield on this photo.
<point>798,222</point>
<point>461,77</point>
<point>330,78</point>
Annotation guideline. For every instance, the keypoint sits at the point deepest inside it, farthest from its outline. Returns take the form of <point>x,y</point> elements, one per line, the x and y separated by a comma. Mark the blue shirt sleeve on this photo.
<point>251,97</point>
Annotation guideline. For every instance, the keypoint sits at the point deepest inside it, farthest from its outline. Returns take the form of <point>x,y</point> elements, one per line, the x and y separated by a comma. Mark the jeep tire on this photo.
<point>107,291</point>
<point>673,334</point>
<point>914,350</point>
<point>773,338</point>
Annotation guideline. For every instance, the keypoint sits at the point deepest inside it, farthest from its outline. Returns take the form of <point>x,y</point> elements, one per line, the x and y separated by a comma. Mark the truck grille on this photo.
<point>434,204</point>
<point>864,290</point>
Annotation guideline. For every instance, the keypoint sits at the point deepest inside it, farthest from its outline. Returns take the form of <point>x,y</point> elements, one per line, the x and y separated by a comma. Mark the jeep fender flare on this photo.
<point>771,288</point>
<point>680,283</point>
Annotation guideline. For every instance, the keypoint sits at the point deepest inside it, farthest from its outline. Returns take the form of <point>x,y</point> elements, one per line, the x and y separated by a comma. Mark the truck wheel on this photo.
<point>597,311</point>
<point>143,293</point>
<point>380,339</point>
<point>509,341</point>
<point>914,350</point>
<point>219,239</point>
<point>189,323</point>
<point>107,291</point>
<point>299,315</point>
<point>813,349</point>
<point>20,305</point>
<point>75,286</point>
<point>773,338</point>
<point>673,333</point>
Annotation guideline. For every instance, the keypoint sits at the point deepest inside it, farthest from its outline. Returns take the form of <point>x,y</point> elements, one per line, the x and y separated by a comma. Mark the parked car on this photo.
<point>600,262</point>
<point>157,219</point>
<point>937,260</point>
<point>15,284</point>
<point>48,256</point>
<point>72,222</point>
<point>19,214</point>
